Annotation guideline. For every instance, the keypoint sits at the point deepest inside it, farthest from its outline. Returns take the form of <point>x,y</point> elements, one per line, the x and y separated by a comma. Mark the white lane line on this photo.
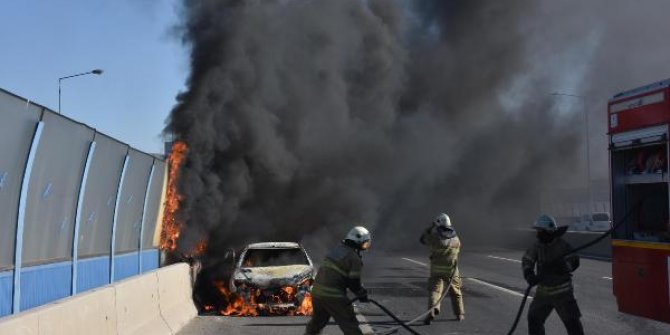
<point>415,262</point>
<point>499,288</point>
<point>608,278</point>
<point>504,259</point>
<point>363,323</point>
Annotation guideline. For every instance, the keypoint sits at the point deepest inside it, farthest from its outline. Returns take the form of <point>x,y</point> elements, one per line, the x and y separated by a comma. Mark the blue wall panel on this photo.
<point>45,283</point>
<point>149,260</point>
<point>92,273</point>
<point>6,284</point>
<point>126,265</point>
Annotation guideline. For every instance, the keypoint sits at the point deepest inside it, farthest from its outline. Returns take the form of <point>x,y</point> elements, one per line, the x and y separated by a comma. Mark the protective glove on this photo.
<point>531,278</point>
<point>362,295</point>
<point>425,234</point>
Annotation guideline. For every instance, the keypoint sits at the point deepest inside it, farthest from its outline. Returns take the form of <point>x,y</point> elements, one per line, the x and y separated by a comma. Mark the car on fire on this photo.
<point>276,277</point>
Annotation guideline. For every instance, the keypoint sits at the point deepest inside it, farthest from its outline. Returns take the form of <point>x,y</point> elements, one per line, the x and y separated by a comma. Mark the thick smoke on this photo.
<point>306,117</point>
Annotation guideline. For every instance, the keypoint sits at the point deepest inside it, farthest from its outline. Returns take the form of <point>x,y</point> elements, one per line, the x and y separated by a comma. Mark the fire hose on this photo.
<point>395,318</point>
<point>406,325</point>
<point>575,250</point>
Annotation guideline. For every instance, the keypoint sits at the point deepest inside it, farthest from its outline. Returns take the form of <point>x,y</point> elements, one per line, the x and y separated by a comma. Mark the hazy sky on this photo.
<point>131,40</point>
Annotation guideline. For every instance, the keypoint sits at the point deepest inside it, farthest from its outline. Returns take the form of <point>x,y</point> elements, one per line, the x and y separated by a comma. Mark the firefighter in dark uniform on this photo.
<point>341,270</point>
<point>550,254</point>
<point>444,248</point>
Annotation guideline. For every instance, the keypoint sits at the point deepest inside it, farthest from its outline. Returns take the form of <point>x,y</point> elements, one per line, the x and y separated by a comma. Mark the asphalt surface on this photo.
<point>492,292</point>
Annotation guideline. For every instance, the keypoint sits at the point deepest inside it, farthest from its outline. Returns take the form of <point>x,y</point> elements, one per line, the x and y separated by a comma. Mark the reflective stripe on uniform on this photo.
<point>441,269</point>
<point>330,265</point>
<point>446,252</point>
<point>557,289</point>
<point>327,292</point>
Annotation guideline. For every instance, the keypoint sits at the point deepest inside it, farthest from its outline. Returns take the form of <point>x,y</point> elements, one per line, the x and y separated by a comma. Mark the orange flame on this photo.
<point>238,306</point>
<point>172,228</point>
<point>306,308</point>
<point>201,248</point>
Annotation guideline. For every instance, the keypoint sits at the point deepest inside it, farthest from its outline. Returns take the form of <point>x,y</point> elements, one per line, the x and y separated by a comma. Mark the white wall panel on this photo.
<point>18,121</point>
<point>154,205</point>
<point>97,214</point>
<point>53,189</point>
<point>131,201</point>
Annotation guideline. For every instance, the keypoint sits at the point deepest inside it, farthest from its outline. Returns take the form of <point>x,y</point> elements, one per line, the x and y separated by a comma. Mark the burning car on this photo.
<point>275,278</point>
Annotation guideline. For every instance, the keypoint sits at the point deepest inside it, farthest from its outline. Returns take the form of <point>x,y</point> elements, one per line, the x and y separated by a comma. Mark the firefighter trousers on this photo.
<point>566,307</point>
<point>340,309</point>
<point>436,286</point>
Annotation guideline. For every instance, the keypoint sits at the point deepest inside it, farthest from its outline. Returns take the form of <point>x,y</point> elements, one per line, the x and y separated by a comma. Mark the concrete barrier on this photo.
<point>80,314</point>
<point>157,303</point>
<point>175,296</point>
<point>137,306</point>
<point>74,315</point>
<point>20,325</point>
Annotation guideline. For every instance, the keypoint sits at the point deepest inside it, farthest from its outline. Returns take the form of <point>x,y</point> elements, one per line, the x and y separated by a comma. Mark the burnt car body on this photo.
<point>274,276</point>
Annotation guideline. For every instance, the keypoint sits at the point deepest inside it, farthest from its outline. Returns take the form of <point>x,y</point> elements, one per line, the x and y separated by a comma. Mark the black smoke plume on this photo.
<point>306,117</point>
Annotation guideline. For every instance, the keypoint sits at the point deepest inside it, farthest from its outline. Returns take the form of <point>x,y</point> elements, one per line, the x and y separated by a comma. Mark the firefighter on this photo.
<point>550,254</point>
<point>341,270</point>
<point>444,246</point>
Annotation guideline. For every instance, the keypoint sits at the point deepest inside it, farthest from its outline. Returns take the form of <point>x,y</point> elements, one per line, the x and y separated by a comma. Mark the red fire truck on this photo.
<point>638,122</point>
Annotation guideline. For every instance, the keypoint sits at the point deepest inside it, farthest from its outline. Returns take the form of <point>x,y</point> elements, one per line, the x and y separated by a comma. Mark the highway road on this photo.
<point>492,291</point>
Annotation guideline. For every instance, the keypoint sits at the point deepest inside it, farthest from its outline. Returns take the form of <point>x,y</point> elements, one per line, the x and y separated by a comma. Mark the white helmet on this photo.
<point>546,223</point>
<point>359,235</point>
<point>442,220</point>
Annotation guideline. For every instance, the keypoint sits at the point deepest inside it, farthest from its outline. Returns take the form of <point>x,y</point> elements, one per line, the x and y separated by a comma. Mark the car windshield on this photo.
<point>274,257</point>
<point>601,217</point>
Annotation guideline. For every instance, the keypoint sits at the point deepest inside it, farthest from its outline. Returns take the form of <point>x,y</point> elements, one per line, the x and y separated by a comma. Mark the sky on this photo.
<point>134,41</point>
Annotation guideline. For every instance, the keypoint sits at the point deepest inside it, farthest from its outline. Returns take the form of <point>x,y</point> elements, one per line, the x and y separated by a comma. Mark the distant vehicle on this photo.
<point>599,222</point>
<point>592,222</point>
<point>273,276</point>
<point>577,225</point>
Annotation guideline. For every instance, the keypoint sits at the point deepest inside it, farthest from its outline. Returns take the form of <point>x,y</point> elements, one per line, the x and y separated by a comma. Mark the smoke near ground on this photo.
<point>306,117</point>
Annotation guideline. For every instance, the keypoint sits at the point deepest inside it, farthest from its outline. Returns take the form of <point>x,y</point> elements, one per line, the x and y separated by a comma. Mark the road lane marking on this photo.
<point>504,259</point>
<point>499,288</point>
<point>363,322</point>
<point>415,262</point>
<point>608,278</point>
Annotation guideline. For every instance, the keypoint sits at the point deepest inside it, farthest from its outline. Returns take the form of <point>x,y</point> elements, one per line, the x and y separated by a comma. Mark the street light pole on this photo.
<point>586,139</point>
<point>96,72</point>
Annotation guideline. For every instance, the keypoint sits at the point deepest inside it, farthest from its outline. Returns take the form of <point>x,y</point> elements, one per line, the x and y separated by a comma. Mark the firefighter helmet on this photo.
<point>443,221</point>
<point>546,223</point>
<point>359,235</point>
